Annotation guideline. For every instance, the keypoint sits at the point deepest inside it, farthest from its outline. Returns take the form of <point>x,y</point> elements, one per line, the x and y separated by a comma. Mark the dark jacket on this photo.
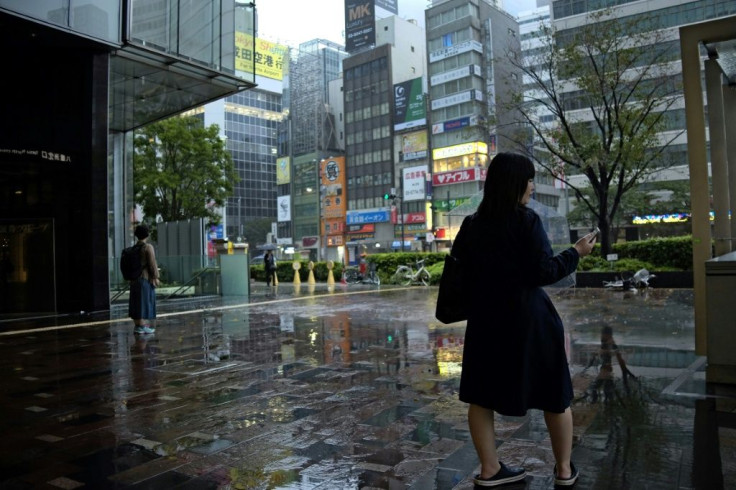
<point>514,355</point>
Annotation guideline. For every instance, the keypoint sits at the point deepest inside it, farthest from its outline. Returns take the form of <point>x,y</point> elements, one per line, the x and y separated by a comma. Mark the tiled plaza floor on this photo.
<point>343,389</point>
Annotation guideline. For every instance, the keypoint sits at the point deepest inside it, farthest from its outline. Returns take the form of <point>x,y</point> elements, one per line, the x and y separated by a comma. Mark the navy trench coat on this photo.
<point>514,355</point>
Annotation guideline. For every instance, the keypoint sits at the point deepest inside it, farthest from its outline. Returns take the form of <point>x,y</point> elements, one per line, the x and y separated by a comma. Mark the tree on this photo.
<point>182,170</point>
<point>595,102</point>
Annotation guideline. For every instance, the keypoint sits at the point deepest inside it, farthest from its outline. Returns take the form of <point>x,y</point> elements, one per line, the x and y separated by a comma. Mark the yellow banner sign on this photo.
<point>269,57</point>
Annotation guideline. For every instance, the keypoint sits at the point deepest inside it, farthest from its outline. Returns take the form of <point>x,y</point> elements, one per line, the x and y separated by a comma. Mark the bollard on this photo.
<point>330,275</point>
<point>296,266</point>
<point>310,279</point>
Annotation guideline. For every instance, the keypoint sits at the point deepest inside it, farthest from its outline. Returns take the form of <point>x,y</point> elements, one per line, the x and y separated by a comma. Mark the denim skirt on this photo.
<point>142,299</point>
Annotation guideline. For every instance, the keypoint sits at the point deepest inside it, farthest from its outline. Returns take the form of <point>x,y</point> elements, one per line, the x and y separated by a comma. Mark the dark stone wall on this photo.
<point>55,103</point>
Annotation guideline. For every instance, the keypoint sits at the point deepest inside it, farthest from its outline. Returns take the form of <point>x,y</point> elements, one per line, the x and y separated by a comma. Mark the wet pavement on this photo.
<point>346,388</point>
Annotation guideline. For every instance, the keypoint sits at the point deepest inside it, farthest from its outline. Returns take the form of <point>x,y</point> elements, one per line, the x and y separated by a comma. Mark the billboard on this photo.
<point>269,58</point>
<point>415,183</point>
<point>283,208</point>
<point>332,187</point>
<point>409,108</point>
<point>283,170</point>
<point>386,8</point>
<point>360,24</point>
<point>413,146</point>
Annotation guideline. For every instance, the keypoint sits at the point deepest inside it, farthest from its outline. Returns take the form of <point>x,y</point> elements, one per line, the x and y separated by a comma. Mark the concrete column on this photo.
<point>718,159</point>
<point>729,110</point>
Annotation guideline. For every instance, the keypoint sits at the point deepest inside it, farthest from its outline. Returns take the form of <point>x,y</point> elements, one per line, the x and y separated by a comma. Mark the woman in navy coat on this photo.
<point>514,356</point>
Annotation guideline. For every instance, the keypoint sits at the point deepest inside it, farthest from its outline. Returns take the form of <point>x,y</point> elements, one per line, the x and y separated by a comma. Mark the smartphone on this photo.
<point>596,232</point>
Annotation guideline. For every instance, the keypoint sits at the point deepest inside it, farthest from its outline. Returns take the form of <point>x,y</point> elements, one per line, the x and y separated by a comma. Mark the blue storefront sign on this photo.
<point>374,216</point>
<point>216,232</point>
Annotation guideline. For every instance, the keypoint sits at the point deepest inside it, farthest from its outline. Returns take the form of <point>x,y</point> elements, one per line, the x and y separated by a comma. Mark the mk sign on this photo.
<point>359,11</point>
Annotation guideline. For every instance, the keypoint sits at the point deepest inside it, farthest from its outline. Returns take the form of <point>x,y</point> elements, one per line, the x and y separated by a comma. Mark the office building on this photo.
<point>83,78</point>
<point>372,77</point>
<point>468,43</point>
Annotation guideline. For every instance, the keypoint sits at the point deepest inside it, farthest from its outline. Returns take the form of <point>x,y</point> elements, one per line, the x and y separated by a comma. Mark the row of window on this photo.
<point>367,112</point>
<point>378,87</point>
<point>366,69</point>
<point>458,110</point>
<point>455,62</point>
<point>374,156</point>
<point>370,180</point>
<point>455,86</point>
<point>368,135</point>
<point>453,38</point>
<point>451,15</point>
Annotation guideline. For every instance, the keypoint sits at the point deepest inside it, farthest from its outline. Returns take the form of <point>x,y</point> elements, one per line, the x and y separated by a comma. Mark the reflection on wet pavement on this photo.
<point>332,391</point>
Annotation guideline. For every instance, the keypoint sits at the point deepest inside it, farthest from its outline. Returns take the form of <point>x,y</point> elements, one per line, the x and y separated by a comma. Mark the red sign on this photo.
<point>309,241</point>
<point>415,218</point>
<point>459,176</point>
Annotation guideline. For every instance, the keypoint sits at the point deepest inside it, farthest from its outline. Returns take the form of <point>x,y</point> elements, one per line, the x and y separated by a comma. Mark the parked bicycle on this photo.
<point>353,276</point>
<point>406,274</point>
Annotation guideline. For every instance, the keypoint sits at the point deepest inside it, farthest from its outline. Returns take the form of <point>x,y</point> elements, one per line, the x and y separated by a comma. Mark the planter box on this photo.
<point>679,279</point>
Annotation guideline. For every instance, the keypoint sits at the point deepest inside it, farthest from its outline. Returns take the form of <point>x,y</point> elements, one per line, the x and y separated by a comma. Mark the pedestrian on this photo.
<point>142,303</point>
<point>269,264</point>
<point>514,355</point>
<point>362,266</point>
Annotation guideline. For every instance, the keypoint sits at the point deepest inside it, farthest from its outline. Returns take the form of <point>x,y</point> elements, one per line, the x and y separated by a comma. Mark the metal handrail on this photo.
<point>191,280</point>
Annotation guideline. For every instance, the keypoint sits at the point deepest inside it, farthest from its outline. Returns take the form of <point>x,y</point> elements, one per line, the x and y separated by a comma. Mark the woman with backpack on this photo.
<point>142,304</point>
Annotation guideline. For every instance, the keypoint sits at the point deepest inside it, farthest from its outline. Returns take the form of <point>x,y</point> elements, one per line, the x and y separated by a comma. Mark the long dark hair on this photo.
<point>506,181</point>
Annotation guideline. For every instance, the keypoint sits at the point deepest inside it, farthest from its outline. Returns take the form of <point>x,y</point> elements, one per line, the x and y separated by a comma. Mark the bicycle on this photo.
<point>406,274</point>
<point>353,276</point>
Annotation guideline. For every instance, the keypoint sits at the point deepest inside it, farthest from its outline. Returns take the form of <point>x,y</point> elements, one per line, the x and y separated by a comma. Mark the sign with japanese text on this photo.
<point>414,183</point>
<point>332,190</point>
<point>368,216</point>
<point>413,146</point>
<point>269,58</point>
<point>459,150</point>
<point>459,176</point>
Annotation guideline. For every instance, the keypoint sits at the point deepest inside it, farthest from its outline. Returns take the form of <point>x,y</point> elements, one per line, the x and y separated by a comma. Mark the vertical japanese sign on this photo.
<point>415,183</point>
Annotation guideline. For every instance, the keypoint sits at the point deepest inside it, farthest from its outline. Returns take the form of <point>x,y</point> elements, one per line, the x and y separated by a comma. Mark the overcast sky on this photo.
<point>294,21</point>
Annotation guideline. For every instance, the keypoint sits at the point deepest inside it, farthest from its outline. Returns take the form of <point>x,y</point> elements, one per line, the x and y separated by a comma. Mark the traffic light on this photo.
<point>388,196</point>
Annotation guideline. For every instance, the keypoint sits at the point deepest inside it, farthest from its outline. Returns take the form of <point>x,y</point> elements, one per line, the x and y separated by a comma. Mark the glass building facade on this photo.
<point>252,121</point>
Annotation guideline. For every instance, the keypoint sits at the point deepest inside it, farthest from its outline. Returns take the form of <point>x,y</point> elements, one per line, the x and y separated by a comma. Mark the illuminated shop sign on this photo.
<point>369,216</point>
<point>668,218</point>
<point>459,176</point>
<point>459,150</point>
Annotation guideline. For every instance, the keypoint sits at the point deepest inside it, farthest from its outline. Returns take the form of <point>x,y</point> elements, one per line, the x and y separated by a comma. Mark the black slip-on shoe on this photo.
<point>567,482</point>
<point>505,475</point>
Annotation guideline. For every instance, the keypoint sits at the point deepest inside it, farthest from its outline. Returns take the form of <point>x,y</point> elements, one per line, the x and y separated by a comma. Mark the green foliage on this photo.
<point>657,254</point>
<point>675,252</point>
<point>607,129</point>
<point>180,167</point>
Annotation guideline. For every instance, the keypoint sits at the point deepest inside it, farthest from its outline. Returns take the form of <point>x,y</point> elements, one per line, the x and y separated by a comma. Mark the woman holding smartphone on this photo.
<point>514,356</point>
